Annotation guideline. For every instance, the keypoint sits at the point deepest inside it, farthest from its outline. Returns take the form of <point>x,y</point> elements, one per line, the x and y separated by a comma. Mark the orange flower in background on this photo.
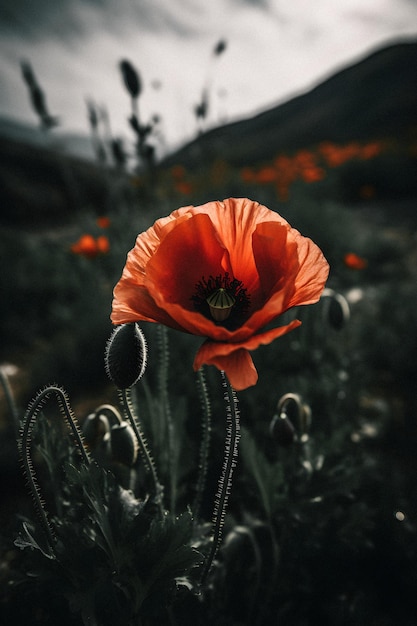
<point>247,175</point>
<point>266,174</point>
<point>103,221</point>
<point>355,262</point>
<point>371,150</point>
<point>89,247</point>
<point>85,246</point>
<point>102,244</point>
<point>223,270</point>
<point>313,174</point>
<point>183,187</point>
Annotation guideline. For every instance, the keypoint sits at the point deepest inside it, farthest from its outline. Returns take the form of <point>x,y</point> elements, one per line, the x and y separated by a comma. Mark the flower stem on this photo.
<point>229,464</point>
<point>143,446</point>
<point>205,442</point>
<point>25,446</point>
<point>166,409</point>
<point>9,398</point>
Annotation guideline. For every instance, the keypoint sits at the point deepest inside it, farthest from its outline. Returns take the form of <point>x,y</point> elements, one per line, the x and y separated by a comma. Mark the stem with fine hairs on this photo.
<point>143,446</point>
<point>229,464</point>
<point>24,444</point>
<point>205,443</point>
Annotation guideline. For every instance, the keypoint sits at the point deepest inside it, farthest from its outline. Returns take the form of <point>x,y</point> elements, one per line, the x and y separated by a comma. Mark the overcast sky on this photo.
<point>275,49</point>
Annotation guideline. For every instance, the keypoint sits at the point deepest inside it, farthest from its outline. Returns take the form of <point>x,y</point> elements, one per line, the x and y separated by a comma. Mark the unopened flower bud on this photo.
<point>282,430</point>
<point>94,429</point>
<point>124,445</point>
<point>125,355</point>
<point>130,78</point>
<point>337,310</point>
<point>291,410</point>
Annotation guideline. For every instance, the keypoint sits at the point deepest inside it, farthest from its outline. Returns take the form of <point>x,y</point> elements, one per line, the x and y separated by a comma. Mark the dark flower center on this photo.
<point>222,299</point>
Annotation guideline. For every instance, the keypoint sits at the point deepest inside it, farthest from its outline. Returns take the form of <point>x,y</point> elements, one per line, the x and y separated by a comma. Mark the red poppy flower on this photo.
<point>223,271</point>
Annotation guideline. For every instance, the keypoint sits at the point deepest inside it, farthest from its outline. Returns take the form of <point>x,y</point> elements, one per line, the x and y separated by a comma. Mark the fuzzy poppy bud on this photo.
<point>124,445</point>
<point>94,429</point>
<point>125,355</point>
<point>282,430</point>
<point>130,78</point>
<point>291,410</point>
<point>337,311</point>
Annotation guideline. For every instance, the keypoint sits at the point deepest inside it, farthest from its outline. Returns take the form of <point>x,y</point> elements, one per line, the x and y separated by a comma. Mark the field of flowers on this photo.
<point>161,487</point>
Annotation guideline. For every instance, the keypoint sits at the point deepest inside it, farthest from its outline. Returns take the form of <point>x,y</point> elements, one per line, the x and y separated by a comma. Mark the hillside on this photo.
<point>376,97</point>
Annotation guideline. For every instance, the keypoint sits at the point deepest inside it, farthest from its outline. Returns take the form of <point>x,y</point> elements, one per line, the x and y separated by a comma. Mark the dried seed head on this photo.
<point>124,445</point>
<point>125,355</point>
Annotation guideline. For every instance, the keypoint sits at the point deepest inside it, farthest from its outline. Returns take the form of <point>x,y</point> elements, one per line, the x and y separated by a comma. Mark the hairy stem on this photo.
<point>166,408</point>
<point>25,448</point>
<point>205,442</point>
<point>229,464</point>
<point>143,446</point>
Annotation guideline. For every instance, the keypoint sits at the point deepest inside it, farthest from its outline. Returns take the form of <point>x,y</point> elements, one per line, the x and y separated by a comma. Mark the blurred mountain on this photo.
<point>47,176</point>
<point>41,182</point>
<point>72,144</point>
<point>376,97</point>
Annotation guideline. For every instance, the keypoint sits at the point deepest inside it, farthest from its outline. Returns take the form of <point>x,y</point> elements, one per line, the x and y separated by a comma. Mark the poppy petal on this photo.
<point>227,356</point>
<point>132,303</point>
<point>312,275</point>
<point>188,253</point>
<point>238,367</point>
<point>276,258</point>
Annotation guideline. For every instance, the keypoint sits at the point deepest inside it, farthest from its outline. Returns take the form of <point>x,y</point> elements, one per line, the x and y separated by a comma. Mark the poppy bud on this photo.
<point>220,47</point>
<point>130,78</point>
<point>337,311</point>
<point>282,430</point>
<point>125,355</point>
<point>124,445</point>
<point>94,429</point>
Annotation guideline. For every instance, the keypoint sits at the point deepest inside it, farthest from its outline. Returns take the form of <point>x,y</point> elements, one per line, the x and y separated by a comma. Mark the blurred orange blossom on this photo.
<point>354,261</point>
<point>223,270</point>
<point>85,246</point>
<point>89,247</point>
<point>103,221</point>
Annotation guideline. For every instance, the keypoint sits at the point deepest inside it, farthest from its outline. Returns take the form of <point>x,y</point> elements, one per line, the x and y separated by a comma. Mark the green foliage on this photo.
<point>114,557</point>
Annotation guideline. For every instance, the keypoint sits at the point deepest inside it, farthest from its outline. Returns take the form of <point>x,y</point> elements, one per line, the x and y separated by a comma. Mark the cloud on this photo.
<point>69,18</point>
